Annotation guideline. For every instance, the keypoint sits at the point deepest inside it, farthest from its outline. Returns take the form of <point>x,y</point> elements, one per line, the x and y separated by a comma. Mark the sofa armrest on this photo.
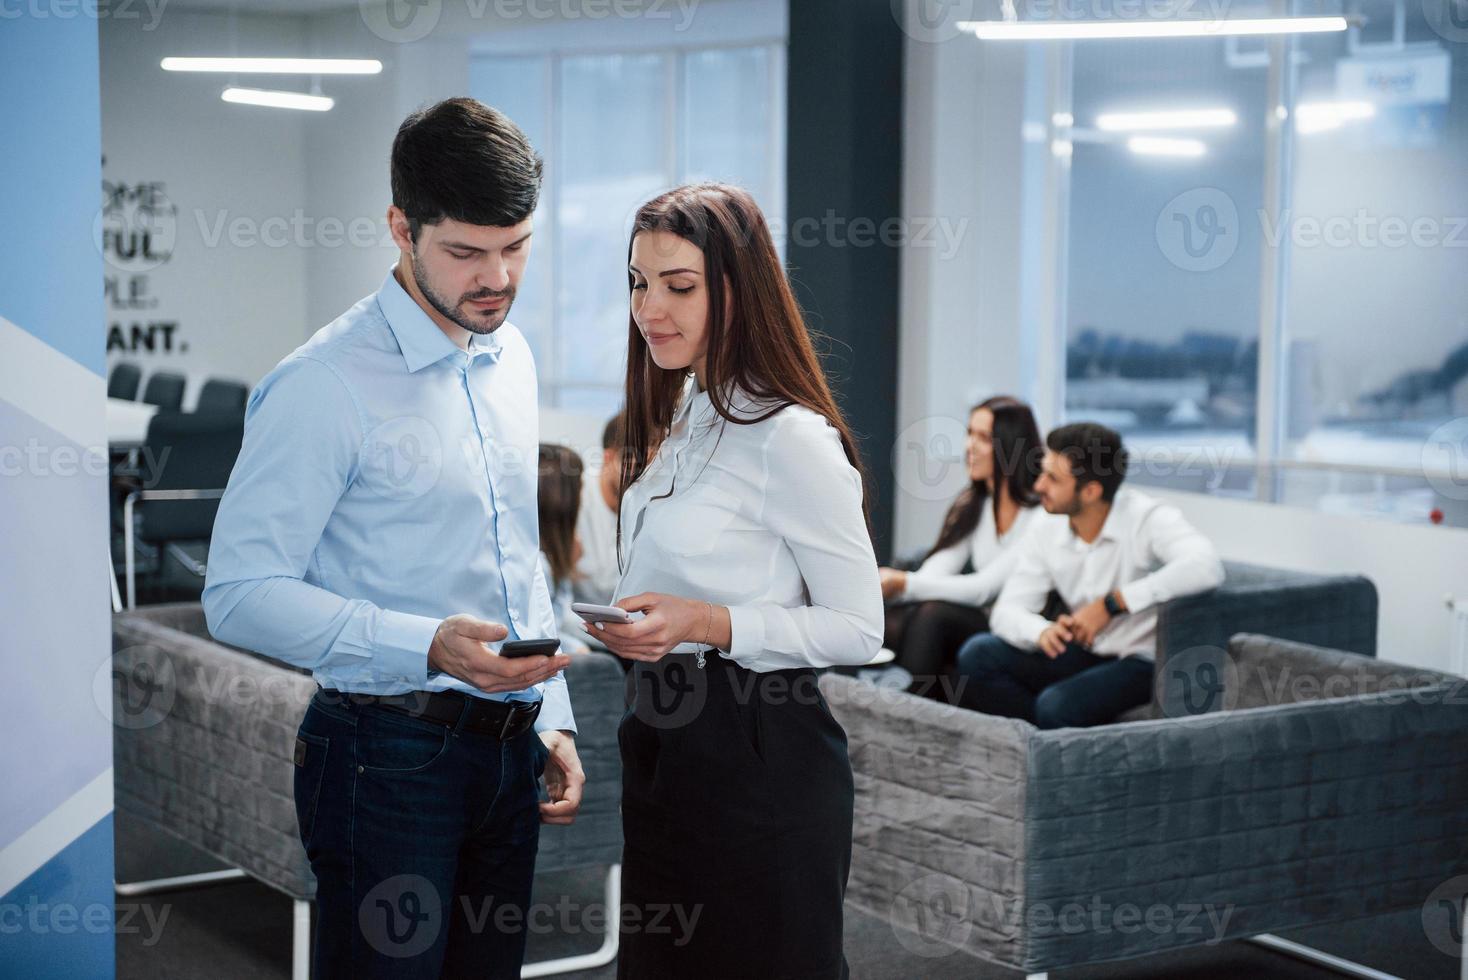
<point>1338,612</point>
<point>598,697</point>
<point>1265,670</point>
<point>1242,822</point>
<point>203,744</point>
<point>938,837</point>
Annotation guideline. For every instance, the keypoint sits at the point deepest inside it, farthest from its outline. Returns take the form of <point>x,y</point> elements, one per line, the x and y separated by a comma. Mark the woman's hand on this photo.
<point>667,621</point>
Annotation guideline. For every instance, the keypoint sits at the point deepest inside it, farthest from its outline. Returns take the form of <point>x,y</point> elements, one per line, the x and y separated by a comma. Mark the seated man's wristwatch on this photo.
<point>1114,607</point>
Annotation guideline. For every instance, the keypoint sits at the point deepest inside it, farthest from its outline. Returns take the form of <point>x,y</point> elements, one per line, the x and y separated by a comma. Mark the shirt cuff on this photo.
<point>746,634</point>
<point>555,708</point>
<point>400,648</point>
<point>1138,595</point>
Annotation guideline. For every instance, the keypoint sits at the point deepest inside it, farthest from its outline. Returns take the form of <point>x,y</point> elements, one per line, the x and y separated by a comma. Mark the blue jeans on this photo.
<point>423,841</point>
<point>1074,690</point>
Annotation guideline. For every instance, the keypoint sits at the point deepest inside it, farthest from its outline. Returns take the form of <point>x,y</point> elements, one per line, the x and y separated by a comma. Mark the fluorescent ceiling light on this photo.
<point>1166,146</point>
<point>277,100</point>
<point>1119,122</point>
<point>1035,30</point>
<point>277,66</point>
<point>1317,117</point>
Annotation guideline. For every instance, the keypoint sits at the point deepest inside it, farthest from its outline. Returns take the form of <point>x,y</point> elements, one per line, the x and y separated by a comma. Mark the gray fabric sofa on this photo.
<point>1327,786</point>
<point>1335,611</point>
<point>203,744</point>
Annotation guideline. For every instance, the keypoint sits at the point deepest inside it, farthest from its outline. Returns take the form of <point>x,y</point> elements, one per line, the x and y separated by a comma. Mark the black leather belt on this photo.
<point>453,709</point>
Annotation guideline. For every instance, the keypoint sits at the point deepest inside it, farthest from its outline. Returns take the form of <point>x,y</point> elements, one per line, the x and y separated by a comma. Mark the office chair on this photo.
<point>223,396</point>
<point>123,381</point>
<point>164,389</point>
<point>189,457</point>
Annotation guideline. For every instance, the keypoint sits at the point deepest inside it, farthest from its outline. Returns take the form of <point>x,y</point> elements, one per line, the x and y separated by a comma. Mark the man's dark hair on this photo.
<point>1095,453</point>
<point>463,160</point>
<point>615,434</point>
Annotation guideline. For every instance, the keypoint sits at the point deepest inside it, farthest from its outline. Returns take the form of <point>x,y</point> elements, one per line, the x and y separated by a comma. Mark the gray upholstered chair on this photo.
<point>203,749</point>
<point>1324,786</point>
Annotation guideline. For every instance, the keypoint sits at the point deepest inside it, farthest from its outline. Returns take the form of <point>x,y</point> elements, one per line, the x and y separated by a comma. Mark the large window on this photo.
<point>1162,312</point>
<point>616,128</point>
<point>1308,347</point>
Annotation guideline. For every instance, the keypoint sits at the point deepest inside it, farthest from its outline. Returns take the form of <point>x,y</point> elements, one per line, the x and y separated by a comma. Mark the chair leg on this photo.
<point>1320,958</point>
<point>612,896</point>
<point>130,560</point>
<point>112,581</point>
<point>153,886</point>
<point>301,941</point>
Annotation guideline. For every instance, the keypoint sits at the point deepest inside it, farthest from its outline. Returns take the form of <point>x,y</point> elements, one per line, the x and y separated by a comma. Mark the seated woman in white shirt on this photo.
<point>558,498</point>
<point>933,610</point>
<point>745,544</point>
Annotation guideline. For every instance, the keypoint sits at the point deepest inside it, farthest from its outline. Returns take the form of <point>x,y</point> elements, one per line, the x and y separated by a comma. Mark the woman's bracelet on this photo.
<point>708,631</point>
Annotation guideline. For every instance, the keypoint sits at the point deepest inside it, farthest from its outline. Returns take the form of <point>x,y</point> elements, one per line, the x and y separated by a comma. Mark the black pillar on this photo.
<point>843,182</point>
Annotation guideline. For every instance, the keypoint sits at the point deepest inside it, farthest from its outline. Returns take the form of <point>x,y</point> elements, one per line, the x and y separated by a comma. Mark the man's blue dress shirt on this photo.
<point>387,481</point>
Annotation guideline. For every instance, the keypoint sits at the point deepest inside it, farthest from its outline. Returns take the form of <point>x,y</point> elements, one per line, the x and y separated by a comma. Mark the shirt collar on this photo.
<point>695,404</point>
<point>1112,528</point>
<point>419,338</point>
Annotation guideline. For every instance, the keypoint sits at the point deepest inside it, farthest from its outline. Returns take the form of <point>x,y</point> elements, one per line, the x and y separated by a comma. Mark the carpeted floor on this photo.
<point>242,931</point>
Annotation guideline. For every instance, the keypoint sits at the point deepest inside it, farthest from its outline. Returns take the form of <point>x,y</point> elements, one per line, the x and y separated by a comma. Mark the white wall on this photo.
<point>239,301</point>
<point>1414,567</point>
<point>242,304</point>
<point>975,324</point>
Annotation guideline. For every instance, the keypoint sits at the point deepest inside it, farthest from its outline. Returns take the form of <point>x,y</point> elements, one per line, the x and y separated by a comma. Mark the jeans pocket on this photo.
<point>310,759</point>
<point>388,745</point>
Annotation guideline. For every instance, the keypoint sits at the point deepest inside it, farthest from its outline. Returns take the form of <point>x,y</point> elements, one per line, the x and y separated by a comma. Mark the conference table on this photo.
<point>127,422</point>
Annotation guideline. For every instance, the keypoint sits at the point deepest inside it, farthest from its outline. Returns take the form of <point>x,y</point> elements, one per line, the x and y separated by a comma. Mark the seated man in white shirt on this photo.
<point>596,522</point>
<point>1120,555</point>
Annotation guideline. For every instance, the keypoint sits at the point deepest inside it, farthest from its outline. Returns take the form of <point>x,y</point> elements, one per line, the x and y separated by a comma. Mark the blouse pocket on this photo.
<point>692,523</point>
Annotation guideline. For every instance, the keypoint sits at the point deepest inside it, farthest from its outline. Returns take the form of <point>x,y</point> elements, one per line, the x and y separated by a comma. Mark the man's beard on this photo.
<point>455,312</point>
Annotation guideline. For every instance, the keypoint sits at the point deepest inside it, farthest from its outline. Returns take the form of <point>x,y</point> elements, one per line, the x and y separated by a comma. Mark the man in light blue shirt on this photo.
<point>380,530</point>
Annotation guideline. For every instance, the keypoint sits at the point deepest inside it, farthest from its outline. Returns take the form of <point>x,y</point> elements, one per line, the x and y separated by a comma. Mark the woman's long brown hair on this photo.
<point>1018,450</point>
<point>558,501</point>
<point>762,347</point>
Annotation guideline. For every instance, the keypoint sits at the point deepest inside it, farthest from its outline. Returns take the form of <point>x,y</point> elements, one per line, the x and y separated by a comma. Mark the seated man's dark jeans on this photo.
<point>423,841</point>
<point>1074,690</point>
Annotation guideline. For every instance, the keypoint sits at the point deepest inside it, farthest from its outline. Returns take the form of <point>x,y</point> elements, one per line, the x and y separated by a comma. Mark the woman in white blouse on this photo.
<point>746,547</point>
<point>933,610</point>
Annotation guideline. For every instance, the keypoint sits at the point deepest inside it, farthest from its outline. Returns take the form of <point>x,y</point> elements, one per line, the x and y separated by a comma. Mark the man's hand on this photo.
<point>1088,621</point>
<point>667,621</point>
<point>894,582</point>
<point>1056,636</point>
<point>459,650</point>
<point>563,778</point>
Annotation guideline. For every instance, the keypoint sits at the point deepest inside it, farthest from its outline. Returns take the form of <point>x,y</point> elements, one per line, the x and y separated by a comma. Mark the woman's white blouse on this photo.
<point>765,519</point>
<point>993,555</point>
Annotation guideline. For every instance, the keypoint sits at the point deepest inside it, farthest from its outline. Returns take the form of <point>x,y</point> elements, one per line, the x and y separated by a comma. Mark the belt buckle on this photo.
<point>511,717</point>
